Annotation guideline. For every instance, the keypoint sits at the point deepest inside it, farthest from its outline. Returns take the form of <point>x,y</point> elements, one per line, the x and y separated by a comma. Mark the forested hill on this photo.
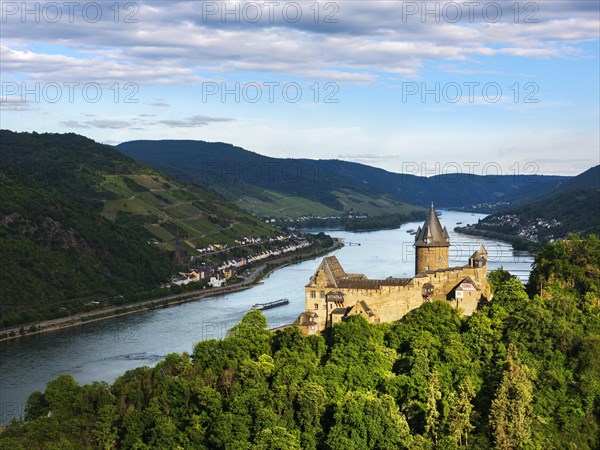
<point>523,372</point>
<point>278,187</point>
<point>271,187</point>
<point>79,222</point>
<point>575,208</point>
<point>451,190</point>
<point>590,179</point>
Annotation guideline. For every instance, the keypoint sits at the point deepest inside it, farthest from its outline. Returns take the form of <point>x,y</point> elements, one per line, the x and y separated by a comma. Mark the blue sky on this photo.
<point>502,92</point>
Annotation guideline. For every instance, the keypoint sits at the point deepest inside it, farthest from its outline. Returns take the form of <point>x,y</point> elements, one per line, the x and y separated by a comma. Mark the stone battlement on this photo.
<point>332,295</point>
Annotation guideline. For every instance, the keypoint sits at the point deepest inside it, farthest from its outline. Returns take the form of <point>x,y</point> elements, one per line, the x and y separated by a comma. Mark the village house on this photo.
<point>216,281</point>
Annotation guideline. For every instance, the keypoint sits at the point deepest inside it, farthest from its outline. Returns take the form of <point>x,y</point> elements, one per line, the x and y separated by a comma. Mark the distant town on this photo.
<point>213,266</point>
<point>529,230</point>
<point>308,218</point>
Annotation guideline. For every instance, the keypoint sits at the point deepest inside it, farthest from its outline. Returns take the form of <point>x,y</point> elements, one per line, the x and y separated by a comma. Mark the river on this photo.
<point>101,351</point>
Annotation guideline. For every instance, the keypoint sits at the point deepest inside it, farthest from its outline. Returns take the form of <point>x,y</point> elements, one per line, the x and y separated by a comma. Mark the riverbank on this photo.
<point>518,243</point>
<point>250,281</point>
<point>375,223</point>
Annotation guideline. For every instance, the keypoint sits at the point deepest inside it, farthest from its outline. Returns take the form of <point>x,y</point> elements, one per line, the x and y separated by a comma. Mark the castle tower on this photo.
<point>431,244</point>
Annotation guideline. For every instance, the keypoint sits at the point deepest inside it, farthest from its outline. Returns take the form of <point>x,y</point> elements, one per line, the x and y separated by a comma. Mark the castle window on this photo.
<point>316,306</point>
<point>313,294</point>
<point>321,294</point>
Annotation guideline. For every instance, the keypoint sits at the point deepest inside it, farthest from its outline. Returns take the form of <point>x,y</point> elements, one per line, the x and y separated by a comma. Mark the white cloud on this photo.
<point>73,124</point>
<point>160,103</point>
<point>372,45</point>
<point>99,123</point>
<point>140,122</point>
<point>177,43</point>
<point>193,121</point>
<point>111,124</point>
<point>13,104</point>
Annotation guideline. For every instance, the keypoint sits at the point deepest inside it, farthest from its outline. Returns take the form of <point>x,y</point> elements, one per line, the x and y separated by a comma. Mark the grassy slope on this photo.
<point>278,205</point>
<point>171,208</point>
<point>77,220</point>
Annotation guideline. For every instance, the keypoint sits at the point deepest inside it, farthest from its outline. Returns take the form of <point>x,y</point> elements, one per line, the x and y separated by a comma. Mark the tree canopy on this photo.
<point>523,372</point>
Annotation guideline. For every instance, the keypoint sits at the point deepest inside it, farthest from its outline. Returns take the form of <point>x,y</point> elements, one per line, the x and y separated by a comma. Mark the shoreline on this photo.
<point>171,300</point>
<point>531,247</point>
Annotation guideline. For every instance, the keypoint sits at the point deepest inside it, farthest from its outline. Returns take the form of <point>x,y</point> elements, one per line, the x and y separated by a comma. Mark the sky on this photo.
<point>422,87</point>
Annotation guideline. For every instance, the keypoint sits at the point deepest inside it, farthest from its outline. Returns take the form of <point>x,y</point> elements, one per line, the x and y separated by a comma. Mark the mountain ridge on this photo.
<point>328,182</point>
<point>573,208</point>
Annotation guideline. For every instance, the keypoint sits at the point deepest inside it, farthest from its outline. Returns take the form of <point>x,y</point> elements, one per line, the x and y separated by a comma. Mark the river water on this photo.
<point>101,351</point>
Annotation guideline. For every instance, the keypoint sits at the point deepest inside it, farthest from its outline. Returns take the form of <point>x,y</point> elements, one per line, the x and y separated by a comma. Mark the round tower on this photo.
<point>431,244</point>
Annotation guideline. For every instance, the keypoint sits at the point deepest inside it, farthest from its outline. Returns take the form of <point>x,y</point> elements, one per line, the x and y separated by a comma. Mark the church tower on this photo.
<point>431,244</point>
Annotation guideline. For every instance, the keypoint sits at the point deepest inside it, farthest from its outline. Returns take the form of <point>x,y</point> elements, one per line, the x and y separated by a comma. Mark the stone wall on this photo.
<point>431,258</point>
<point>391,303</point>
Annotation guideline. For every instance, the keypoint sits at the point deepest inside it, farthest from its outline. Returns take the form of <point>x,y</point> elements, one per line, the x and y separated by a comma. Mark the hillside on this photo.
<point>278,188</point>
<point>451,190</point>
<point>574,208</point>
<point>79,221</point>
<point>522,372</point>
<point>590,179</point>
<point>292,187</point>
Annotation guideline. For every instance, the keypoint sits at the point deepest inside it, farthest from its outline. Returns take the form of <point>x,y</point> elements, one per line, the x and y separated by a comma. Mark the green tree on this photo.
<point>459,423</point>
<point>36,406</point>
<point>498,277</point>
<point>105,432</point>
<point>512,409</point>
<point>277,438</point>
<point>510,292</point>
<point>310,406</point>
<point>11,444</point>
<point>61,395</point>
<point>358,358</point>
<point>252,333</point>
<point>433,415</point>
<point>589,370</point>
<point>570,264</point>
<point>364,420</point>
<point>368,386</point>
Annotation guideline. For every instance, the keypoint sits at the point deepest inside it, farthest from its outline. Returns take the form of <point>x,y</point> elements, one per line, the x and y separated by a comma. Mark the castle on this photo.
<point>332,295</point>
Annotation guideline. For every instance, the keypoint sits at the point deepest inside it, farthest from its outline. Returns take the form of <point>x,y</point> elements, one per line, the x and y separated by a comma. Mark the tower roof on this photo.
<point>333,269</point>
<point>481,253</point>
<point>431,234</point>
